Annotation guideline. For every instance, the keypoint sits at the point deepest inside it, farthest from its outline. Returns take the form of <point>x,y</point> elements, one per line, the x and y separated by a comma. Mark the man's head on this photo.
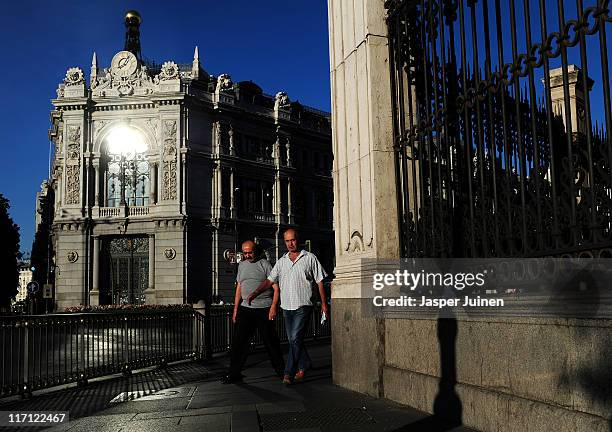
<point>248,250</point>
<point>291,240</point>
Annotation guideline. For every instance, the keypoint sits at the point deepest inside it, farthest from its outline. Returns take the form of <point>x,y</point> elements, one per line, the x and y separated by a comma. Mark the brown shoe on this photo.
<point>287,380</point>
<point>299,376</point>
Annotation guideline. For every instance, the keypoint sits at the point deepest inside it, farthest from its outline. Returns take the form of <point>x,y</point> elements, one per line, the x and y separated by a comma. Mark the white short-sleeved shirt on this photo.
<point>295,279</point>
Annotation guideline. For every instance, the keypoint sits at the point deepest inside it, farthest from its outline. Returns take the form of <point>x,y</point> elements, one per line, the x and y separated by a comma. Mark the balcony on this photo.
<point>110,212</point>
<point>138,211</point>
<point>262,217</point>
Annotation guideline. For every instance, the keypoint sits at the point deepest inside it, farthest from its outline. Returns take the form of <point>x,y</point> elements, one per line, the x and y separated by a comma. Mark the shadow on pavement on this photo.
<point>96,396</point>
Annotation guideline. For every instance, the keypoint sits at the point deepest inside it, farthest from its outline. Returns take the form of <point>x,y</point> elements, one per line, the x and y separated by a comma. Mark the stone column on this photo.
<point>150,297</point>
<point>94,294</point>
<point>276,193</point>
<point>219,186</point>
<point>365,202</point>
<point>153,182</point>
<point>232,195</point>
<point>289,212</point>
<point>96,165</point>
<point>288,147</point>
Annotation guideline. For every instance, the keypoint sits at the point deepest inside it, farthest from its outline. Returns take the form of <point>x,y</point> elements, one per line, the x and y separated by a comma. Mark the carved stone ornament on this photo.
<point>153,124</point>
<point>169,71</point>
<point>73,165</point>
<point>170,253</point>
<point>281,100</point>
<point>356,243</point>
<point>224,83</point>
<point>169,160</point>
<point>72,256</point>
<point>139,83</point>
<point>74,76</point>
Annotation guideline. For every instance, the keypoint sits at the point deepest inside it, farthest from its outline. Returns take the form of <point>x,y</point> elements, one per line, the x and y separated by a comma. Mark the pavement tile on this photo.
<point>155,425</point>
<point>245,421</point>
<point>184,413</point>
<point>205,423</point>
<point>280,407</point>
<point>146,406</point>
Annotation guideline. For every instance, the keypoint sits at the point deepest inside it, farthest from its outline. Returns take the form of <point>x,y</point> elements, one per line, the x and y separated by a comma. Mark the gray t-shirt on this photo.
<point>250,275</point>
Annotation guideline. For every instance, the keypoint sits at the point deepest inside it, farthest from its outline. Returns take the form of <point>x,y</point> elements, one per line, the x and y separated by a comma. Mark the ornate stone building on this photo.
<point>161,171</point>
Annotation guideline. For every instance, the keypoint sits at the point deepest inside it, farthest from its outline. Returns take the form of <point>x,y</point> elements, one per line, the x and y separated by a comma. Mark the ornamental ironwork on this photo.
<point>502,137</point>
<point>127,275</point>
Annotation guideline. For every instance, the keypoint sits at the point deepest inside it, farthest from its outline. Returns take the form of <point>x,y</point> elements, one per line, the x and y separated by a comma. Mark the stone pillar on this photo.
<point>96,165</point>
<point>232,195</point>
<point>219,191</point>
<point>289,213</point>
<point>94,294</point>
<point>150,297</point>
<point>365,203</point>
<point>575,86</point>
<point>153,183</point>
<point>218,131</point>
<point>276,193</point>
<point>288,147</point>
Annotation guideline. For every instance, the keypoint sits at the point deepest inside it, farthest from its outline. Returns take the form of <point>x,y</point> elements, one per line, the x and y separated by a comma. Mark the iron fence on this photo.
<point>502,136</point>
<point>42,351</point>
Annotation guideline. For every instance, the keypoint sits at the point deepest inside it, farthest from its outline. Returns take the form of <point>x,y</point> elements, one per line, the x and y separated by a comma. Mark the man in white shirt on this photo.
<point>295,272</point>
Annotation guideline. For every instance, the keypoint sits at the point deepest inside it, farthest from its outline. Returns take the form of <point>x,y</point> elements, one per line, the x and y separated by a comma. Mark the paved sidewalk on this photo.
<point>189,397</point>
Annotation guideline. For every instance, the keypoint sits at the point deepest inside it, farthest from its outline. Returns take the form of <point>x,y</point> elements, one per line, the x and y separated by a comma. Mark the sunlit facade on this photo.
<point>161,171</point>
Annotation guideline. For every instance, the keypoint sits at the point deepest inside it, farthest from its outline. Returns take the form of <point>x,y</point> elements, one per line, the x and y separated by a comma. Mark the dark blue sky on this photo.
<point>279,44</point>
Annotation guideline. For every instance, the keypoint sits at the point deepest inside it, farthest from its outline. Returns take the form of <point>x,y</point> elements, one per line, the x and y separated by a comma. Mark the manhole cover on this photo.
<point>315,418</point>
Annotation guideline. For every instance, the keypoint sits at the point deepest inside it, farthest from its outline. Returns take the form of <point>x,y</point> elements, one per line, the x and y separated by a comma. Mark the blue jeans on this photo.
<point>296,323</point>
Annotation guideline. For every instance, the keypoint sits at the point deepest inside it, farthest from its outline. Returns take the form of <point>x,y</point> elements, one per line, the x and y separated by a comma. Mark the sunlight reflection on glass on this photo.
<point>126,141</point>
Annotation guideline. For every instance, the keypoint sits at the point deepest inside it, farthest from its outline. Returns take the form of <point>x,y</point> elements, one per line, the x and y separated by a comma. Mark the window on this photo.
<point>127,168</point>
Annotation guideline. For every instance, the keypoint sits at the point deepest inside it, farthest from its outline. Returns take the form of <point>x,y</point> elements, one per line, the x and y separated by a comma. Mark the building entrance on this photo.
<point>126,270</point>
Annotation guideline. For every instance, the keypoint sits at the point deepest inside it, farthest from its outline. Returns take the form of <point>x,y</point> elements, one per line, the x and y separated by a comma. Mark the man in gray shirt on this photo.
<point>256,315</point>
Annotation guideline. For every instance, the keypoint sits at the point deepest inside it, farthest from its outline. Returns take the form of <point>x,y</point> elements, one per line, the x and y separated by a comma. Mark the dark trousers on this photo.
<point>247,320</point>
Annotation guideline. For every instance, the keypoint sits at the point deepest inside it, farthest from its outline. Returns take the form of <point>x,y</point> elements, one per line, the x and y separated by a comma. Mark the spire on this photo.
<point>94,68</point>
<point>195,68</point>
<point>132,33</point>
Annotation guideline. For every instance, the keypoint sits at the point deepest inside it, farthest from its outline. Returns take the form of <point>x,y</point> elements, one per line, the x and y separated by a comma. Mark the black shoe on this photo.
<point>230,379</point>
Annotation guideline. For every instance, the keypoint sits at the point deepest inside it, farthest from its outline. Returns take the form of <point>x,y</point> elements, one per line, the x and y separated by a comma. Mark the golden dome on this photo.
<point>133,15</point>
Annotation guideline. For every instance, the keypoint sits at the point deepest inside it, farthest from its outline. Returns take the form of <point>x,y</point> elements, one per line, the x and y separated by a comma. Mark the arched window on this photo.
<point>127,168</point>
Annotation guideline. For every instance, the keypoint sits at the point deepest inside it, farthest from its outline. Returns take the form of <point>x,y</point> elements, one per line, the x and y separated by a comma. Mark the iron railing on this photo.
<point>502,127</point>
<point>42,351</point>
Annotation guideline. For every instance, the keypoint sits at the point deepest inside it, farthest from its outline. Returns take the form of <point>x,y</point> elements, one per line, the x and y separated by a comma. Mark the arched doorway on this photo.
<point>126,270</point>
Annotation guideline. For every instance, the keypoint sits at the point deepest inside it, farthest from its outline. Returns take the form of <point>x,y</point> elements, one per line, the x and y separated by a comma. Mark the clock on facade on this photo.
<point>124,63</point>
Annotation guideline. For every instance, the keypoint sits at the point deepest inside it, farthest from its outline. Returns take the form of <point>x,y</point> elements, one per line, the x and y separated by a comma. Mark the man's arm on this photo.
<point>264,285</point>
<point>237,301</point>
<point>274,307</point>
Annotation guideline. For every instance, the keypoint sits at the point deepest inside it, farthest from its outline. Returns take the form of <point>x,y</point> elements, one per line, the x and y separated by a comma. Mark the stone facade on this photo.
<point>166,169</point>
<point>510,374</point>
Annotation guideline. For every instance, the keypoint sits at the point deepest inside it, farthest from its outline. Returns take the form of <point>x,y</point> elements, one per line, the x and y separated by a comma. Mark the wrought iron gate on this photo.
<point>502,138</point>
<point>126,271</point>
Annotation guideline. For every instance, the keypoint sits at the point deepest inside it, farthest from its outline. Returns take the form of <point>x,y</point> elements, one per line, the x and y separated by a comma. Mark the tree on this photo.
<point>9,254</point>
